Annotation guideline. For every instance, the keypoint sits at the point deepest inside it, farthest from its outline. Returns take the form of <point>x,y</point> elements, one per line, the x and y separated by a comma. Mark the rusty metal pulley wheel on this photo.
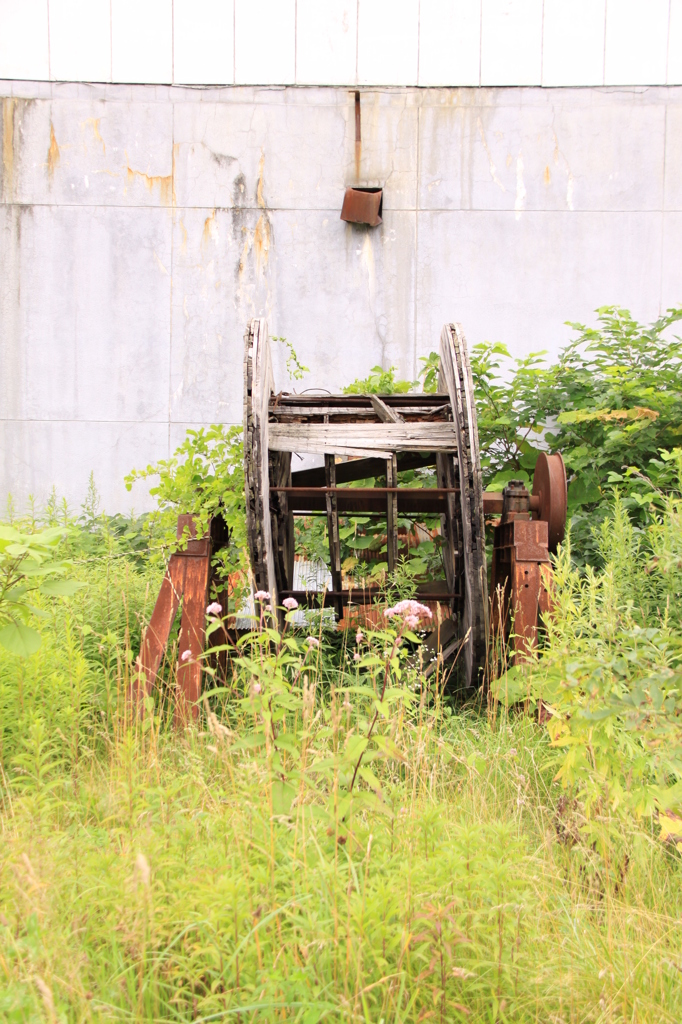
<point>549,485</point>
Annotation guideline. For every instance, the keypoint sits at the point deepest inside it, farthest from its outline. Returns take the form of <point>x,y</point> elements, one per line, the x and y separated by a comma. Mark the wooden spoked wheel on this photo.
<point>465,524</point>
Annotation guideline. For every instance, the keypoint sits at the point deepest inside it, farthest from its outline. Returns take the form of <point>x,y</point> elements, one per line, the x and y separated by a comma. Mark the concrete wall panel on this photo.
<point>203,42</point>
<point>573,42</point>
<point>69,453</point>
<point>265,41</point>
<point>326,42</point>
<point>511,42</point>
<point>388,37</point>
<point>140,227</point>
<point>141,41</point>
<point>636,51</point>
<point>24,40</point>
<point>80,40</point>
<point>449,42</point>
<point>483,269</point>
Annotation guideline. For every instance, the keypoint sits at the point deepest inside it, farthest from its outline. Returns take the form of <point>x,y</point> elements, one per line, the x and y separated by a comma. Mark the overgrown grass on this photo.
<point>149,875</point>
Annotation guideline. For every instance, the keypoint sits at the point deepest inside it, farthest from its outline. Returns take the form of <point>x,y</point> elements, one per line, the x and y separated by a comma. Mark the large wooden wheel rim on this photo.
<point>455,379</point>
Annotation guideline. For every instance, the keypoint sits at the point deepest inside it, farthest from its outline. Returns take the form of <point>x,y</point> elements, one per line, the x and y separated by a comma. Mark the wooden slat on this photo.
<point>258,388</point>
<point>384,412</point>
<point>333,526</point>
<point>392,513</point>
<point>379,440</point>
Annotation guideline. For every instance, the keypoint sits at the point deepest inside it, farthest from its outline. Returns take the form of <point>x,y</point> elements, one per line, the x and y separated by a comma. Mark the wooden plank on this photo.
<point>385,414</point>
<point>333,528</point>
<point>192,633</point>
<point>372,439</point>
<point>455,378</point>
<point>392,513</point>
<point>258,387</point>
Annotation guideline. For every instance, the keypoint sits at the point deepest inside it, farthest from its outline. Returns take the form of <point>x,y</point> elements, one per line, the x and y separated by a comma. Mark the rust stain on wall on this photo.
<point>261,242</point>
<point>261,174</point>
<point>164,182</point>
<point>209,229</point>
<point>8,106</point>
<point>93,122</point>
<point>547,175</point>
<point>53,154</point>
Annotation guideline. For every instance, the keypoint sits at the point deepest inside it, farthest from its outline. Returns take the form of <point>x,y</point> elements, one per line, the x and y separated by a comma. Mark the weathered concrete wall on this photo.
<point>140,226</point>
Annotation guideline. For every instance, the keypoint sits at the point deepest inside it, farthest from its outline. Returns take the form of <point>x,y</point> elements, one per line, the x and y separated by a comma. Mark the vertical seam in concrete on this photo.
<point>667,50</point>
<point>603,70</point>
<point>665,153</point>
<point>49,55</point>
<point>480,40</point>
<point>419,34</point>
<point>542,46</point>
<point>111,41</point>
<point>357,39</point>
<point>295,40</point>
<point>234,42</point>
<point>416,242</point>
<point>173,42</point>
<point>172,268</point>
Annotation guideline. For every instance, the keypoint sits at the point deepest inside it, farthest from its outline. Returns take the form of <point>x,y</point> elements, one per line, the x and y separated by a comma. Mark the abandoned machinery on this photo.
<point>362,437</point>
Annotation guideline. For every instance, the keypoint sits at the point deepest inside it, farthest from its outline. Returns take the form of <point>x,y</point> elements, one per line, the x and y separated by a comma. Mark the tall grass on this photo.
<point>150,875</point>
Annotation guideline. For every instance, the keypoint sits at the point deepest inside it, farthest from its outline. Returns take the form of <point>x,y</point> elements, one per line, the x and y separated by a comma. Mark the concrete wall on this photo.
<point>140,226</point>
<point>344,42</point>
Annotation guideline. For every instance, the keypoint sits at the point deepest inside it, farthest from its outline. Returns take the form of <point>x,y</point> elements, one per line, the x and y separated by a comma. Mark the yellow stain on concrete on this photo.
<point>164,182</point>
<point>8,106</point>
<point>547,177</point>
<point>210,229</point>
<point>261,242</point>
<point>261,175</point>
<point>93,122</point>
<point>53,154</point>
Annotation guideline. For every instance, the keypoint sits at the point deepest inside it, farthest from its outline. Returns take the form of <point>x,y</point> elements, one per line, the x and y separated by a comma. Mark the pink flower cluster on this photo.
<point>214,609</point>
<point>410,611</point>
<point>290,603</point>
<point>262,595</point>
<point>312,641</point>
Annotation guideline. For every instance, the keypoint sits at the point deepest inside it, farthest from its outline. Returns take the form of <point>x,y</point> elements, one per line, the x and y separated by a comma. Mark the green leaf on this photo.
<point>282,797</point>
<point>61,588</point>
<point>20,639</point>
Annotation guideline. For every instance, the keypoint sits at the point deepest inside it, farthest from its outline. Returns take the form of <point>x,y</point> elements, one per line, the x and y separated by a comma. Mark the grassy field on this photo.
<point>237,870</point>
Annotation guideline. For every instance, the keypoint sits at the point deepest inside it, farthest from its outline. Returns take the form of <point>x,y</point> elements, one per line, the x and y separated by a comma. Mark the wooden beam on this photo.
<point>392,513</point>
<point>333,528</point>
<point>385,414</point>
<point>378,440</point>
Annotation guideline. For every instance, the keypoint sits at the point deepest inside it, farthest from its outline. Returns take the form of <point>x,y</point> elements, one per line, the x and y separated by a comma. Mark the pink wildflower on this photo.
<point>186,655</point>
<point>255,689</point>
<point>359,636</point>
<point>408,609</point>
<point>214,609</point>
<point>356,656</point>
<point>312,641</point>
<point>262,595</point>
<point>290,603</point>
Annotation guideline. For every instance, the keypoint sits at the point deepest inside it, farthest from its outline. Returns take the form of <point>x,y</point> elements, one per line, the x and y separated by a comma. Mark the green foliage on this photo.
<point>295,369</point>
<point>380,382</point>
<point>610,673</point>
<point>611,404</point>
<point>28,567</point>
<point>205,477</point>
